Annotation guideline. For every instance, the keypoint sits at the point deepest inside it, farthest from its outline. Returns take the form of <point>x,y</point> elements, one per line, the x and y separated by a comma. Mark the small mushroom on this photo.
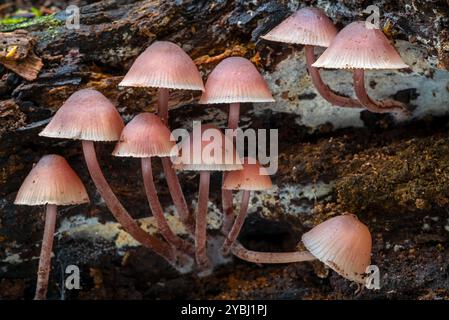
<point>252,177</point>
<point>311,27</point>
<point>358,47</point>
<point>343,243</point>
<point>234,80</point>
<point>145,137</point>
<point>51,182</point>
<point>203,154</point>
<point>164,65</point>
<point>89,116</point>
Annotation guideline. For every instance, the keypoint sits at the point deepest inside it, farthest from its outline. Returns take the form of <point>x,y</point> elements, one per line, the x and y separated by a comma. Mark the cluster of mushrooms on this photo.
<point>343,243</point>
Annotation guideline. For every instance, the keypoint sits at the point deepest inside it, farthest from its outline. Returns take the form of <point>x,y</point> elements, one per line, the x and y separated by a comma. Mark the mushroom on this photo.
<point>251,177</point>
<point>145,136</point>
<point>234,80</point>
<point>311,27</point>
<point>51,182</point>
<point>89,116</point>
<point>164,65</point>
<point>343,243</point>
<point>207,151</point>
<point>358,47</point>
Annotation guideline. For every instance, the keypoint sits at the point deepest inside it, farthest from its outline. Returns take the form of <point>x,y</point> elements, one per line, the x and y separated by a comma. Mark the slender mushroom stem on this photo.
<point>322,88</point>
<point>119,212</point>
<point>238,223</point>
<point>384,106</point>
<point>174,186</point>
<point>178,196</point>
<point>270,257</point>
<point>46,249</point>
<point>201,221</point>
<point>234,115</point>
<point>226,195</point>
<point>162,101</point>
<point>158,213</point>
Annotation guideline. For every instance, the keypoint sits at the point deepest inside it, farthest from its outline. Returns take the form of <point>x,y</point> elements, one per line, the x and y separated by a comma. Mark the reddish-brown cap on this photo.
<point>308,26</point>
<point>343,243</point>
<point>252,177</point>
<point>145,136</point>
<point>207,150</point>
<point>164,65</point>
<point>52,181</point>
<point>235,80</point>
<point>85,115</point>
<point>359,47</point>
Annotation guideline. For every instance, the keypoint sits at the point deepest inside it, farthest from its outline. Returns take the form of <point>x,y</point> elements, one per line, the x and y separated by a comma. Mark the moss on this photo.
<point>11,24</point>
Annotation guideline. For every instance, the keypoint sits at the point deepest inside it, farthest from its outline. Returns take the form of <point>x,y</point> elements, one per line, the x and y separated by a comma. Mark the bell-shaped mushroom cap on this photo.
<point>309,26</point>
<point>52,181</point>
<point>358,47</point>
<point>209,150</point>
<point>145,136</point>
<point>343,243</point>
<point>164,65</point>
<point>235,80</point>
<point>85,115</point>
<point>252,177</point>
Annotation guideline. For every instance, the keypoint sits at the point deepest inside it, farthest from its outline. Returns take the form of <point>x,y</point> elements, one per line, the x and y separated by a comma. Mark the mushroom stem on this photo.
<point>270,257</point>
<point>162,102</point>
<point>158,213</point>
<point>119,212</point>
<point>46,249</point>
<point>234,115</point>
<point>238,223</point>
<point>226,195</point>
<point>322,88</point>
<point>201,221</point>
<point>384,106</point>
<point>177,195</point>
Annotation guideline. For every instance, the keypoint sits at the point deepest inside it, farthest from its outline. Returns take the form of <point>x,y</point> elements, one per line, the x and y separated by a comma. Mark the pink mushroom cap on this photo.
<point>343,243</point>
<point>308,26</point>
<point>359,47</point>
<point>164,65</point>
<point>145,136</point>
<point>209,151</point>
<point>251,177</point>
<point>52,181</point>
<point>235,80</point>
<point>85,115</point>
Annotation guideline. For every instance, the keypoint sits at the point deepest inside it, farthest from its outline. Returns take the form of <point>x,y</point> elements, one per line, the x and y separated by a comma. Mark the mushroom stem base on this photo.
<point>238,223</point>
<point>46,249</point>
<point>384,106</point>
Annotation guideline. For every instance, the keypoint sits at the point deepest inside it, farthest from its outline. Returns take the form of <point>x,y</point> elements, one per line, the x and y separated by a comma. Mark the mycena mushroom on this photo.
<point>146,137</point>
<point>52,182</point>
<point>311,28</point>
<point>89,116</point>
<point>234,80</point>
<point>206,152</point>
<point>252,177</point>
<point>164,65</point>
<point>343,243</point>
<point>360,48</point>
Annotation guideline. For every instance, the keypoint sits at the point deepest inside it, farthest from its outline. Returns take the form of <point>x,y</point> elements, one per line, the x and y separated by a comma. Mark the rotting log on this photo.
<point>113,33</point>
